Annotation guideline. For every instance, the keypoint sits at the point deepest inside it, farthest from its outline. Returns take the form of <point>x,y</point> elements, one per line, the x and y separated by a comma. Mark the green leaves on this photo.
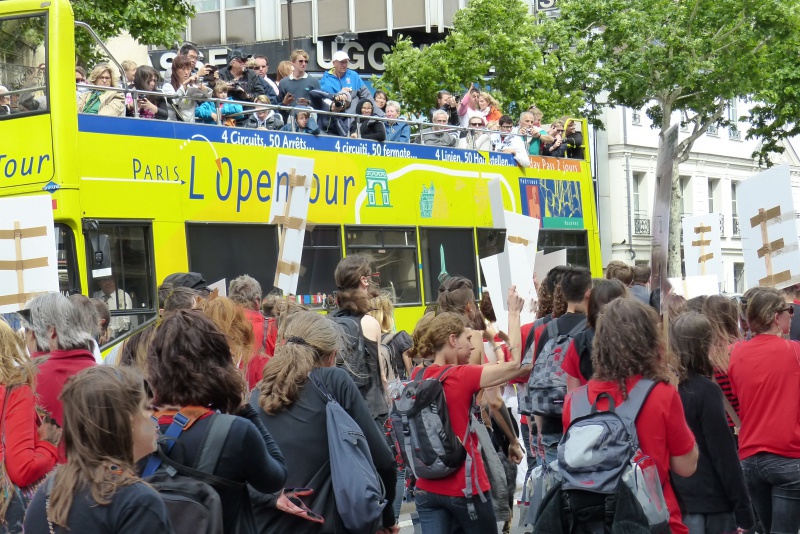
<point>493,43</point>
<point>156,22</point>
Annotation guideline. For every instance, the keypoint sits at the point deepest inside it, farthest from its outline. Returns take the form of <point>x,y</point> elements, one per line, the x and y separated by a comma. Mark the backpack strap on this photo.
<point>580,327</point>
<point>552,330</point>
<point>180,422</point>
<point>214,442</point>
<point>580,405</point>
<point>636,397</point>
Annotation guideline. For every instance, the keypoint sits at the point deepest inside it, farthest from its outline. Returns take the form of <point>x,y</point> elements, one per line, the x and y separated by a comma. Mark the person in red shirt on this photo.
<point>30,446</point>
<point>246,292</point>
<point>765,377</point>
<point>62,350</point>
<point>628,346</point>
<point>441,503</point>
<point>578,361</point>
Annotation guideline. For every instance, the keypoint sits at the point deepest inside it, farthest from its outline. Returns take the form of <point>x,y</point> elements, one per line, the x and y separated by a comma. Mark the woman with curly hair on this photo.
<point>764,374</point>
<point>98,490</point>
<point>292,407</point>
<point>192,371</point>
<point>629,346</point>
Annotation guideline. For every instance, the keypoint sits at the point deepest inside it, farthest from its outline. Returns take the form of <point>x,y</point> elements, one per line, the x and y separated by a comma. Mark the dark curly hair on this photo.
<point>189,363</point>
<point>629,342</point>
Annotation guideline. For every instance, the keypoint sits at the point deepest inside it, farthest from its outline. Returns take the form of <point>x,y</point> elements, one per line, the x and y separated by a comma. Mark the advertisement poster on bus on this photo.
<point>557,203</point>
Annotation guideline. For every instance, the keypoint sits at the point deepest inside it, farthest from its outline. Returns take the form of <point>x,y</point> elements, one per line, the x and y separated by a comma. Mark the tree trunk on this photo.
<point>674,243</point>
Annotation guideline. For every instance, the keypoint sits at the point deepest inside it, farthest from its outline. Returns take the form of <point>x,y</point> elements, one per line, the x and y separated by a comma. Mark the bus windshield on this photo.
<point>23,67</point>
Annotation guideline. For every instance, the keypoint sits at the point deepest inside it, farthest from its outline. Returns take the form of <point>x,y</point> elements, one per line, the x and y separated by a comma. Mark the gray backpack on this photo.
<point>358,490</point>
<point>600,450</point>
<point>547,384</point>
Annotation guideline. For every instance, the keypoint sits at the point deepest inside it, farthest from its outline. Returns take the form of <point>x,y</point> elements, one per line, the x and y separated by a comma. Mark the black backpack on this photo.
<point>352,359</point>
<point>189,493</point>
<point>393,345</point>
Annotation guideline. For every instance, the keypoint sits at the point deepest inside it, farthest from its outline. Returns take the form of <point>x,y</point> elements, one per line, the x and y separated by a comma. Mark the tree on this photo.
<point>677,57</point>
<point>488,36</point>
<point>151,22</point>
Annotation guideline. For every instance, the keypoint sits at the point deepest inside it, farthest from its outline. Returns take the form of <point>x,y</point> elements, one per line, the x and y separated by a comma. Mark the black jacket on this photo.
<point>250,83</point>
<point>718,484</point>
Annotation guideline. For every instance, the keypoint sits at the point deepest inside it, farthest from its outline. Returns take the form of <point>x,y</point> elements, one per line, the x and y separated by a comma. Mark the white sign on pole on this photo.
<point>695,286</point>
<point>290,199</point>
<point>221,287</point>
<point>770,243</point>
<point>28,263</point>
<point>702,250</point>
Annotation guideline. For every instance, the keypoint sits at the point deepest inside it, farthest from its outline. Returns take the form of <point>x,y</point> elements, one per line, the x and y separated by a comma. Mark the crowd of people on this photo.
<point>232,395</point>
<point>243,94</point>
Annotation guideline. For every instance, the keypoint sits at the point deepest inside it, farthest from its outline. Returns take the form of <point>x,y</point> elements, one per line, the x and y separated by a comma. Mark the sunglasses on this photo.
<point>476,124</point>
<point>789,309</point>
<point>302,61</point>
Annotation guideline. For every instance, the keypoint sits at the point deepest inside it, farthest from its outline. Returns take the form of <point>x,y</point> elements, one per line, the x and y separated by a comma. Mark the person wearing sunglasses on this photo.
<point>764,374</point>
<point>295,89</point>
<point>557,148</point>
<point>477,138</point>
<point>508,142</point>
<point>102,101</point>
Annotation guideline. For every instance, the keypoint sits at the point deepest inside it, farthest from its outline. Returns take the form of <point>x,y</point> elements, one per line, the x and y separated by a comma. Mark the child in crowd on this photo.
<point>210,112</point>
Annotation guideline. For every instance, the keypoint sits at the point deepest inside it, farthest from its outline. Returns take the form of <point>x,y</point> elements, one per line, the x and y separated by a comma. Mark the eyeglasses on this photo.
<point>476,124</point>
<point>561,130</point>
<point>302,61</point>
<point>107,78</point>
<point>263,67</point>
<point>80,80</point>
<point>789,309</point>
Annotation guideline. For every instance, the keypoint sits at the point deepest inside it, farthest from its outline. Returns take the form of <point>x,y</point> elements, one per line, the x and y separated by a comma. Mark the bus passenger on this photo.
<point>187,88</point>
<point>367,129</point>
<point>302,123</point>
<point>210,112</point>
<point>398,132</point>
<point>147,78</point>
<point>263,118</point>
<point>99,101</point>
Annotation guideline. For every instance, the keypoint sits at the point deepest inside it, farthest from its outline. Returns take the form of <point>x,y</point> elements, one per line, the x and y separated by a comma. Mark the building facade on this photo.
<point>626,156</point>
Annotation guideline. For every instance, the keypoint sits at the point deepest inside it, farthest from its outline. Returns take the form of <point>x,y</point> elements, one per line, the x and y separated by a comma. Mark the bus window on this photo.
<point>394,253</point>
<point>225,251</point>
<point>454,247</point>
<point>68,280</point>
<point>491,241</point>
<point>23,76</point>
<point>120,270</point>
<point>574,241</point>
<point>322,251</point>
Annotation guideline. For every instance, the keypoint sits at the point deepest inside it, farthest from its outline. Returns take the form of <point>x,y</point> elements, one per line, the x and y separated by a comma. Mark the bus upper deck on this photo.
<point>157,197</point>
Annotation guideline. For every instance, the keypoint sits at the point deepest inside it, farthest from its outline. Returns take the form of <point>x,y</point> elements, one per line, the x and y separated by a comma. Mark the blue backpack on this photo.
<point>358,490</point>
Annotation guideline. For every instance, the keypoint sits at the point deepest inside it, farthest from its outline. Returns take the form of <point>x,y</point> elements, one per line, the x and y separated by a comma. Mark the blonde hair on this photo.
<point>383,311</point>
<point>297,54</point>
<point>99,70</point>
<point>16,368</point>
<point>231,320</point>
<point>221,85</point>
<point>285,68</point>
<point>310,340</point>
<point>761,309</point>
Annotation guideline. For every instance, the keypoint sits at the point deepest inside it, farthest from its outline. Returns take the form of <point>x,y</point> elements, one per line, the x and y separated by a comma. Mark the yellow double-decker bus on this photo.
<point>147,198</point>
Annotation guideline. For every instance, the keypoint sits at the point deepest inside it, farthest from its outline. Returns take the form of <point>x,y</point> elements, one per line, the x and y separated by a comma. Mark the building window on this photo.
<point>212,252</point>
<point>119,259</point>
<point>738,277</point>
<point>733,118</point>
<point>322,250</point>
<point>713,130</point>
<point>636,117</point>
<point>712,188</point>
<point>574,242</point>
<point>684,184</point>
<point>446,252</point>
<point>19,72</point>
<point>734,211</point>
<point>204,6</point>
<point>394,254</point>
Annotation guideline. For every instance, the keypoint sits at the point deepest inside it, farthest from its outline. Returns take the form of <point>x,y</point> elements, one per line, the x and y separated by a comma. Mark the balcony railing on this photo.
<point>722,225</point>
<point>733,133</point>
<point>736,230</point>
<point>641,224</point>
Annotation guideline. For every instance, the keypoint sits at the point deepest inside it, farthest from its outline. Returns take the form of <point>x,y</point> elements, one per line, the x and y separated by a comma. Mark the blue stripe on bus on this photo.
<point>277,139</point>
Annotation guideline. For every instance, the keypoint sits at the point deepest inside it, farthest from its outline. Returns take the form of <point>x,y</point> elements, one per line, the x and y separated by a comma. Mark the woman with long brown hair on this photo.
<point>30,446</point>
<point>441,503</point>
<point>231,320</point>
<point>293,410</point>
<point>192,371</point>
<point>765,376</point>
<point>185,89</point>
<point>629,346</point>
<point>724,318</point>
<point>107,429</point>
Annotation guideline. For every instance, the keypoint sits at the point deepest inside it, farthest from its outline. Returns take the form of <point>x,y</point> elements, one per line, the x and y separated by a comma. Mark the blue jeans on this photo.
<point>550,444</point>
<point>441,514</point>
<point>774,484</point>
<point>724,523</point>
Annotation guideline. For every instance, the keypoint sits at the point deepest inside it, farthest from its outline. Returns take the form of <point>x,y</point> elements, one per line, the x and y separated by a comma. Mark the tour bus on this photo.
<point>142,198</point>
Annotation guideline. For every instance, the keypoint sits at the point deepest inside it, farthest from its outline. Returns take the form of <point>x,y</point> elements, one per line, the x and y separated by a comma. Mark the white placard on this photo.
<point>221,286</point>
<point>545,262</point>
<point>35,217</point>
<point>702,250</point>
<point>292,244</point>
<point>522,277</point>
<point>695,286</point>
<point>522,230</point>
<point>769,229</point>
<point>491,275</point>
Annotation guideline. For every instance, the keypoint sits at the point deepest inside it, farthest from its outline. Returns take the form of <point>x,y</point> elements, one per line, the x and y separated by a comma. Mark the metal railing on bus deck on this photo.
<point>424,128</point>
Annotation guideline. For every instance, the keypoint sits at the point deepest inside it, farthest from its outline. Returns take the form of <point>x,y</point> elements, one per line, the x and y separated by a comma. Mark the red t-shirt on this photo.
<point>572,363</point>
<point>460,384</point>
<point>27,458</point>
<point>765,377</point>
<point>263,348</point>
<point>661,428</point>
